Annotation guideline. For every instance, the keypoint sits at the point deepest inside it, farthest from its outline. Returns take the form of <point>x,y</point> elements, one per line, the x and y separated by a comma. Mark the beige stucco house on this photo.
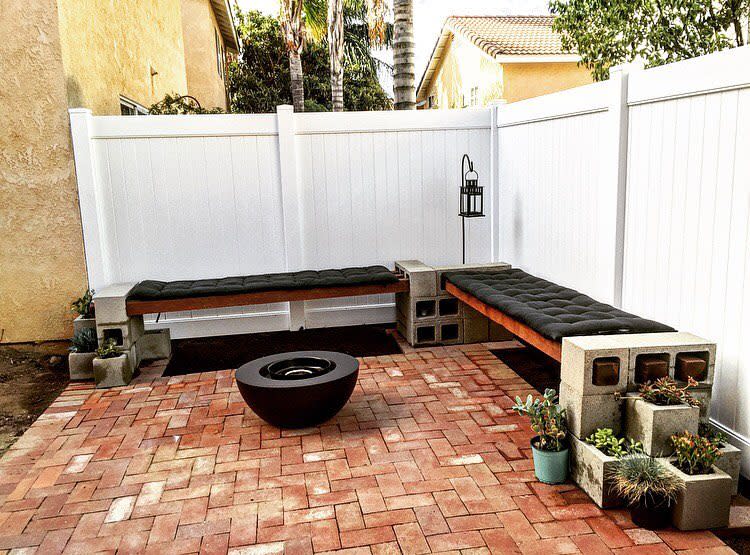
<point>113,57</point>
<point>478,60</point>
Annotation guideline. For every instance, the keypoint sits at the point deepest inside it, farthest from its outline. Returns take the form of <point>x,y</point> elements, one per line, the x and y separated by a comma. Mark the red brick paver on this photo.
<point>426,457</point>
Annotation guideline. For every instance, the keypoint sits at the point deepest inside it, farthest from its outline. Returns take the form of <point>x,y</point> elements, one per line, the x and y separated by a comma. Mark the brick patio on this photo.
<point>425,458</point>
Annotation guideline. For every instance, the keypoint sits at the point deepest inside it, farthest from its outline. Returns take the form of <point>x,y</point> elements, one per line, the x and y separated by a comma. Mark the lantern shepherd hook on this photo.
<point>471,200</point>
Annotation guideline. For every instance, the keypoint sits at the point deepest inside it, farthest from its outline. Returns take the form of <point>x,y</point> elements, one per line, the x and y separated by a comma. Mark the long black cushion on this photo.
<point>549,309</point>
<point>307,279</point>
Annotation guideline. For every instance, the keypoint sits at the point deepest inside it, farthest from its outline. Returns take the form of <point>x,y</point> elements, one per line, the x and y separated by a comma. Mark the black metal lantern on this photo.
<point>471,200</point>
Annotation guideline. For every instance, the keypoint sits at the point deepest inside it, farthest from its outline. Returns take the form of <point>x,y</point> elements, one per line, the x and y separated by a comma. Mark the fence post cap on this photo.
<point>284,108</point>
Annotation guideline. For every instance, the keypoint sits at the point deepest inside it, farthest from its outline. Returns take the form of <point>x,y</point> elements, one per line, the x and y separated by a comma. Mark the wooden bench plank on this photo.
<point>155,306</point>
<point>522,331</point>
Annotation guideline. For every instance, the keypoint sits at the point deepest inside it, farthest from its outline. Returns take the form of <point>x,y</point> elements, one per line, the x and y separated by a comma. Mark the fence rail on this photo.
<point>635,191</point>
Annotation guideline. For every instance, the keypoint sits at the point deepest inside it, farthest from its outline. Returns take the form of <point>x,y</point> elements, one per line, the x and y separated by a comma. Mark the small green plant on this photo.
<point>715,436</point>
<point>641,480</point>
<point>84,305</point>
<point>665,391</point>
<point>547,420</point>
<point>108,350</point>
<point>608,443</point>
<point>84,341</point>
<point>695,454</point>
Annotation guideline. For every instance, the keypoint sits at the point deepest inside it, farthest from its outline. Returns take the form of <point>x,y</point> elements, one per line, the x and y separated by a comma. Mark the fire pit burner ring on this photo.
<point>298,389</point>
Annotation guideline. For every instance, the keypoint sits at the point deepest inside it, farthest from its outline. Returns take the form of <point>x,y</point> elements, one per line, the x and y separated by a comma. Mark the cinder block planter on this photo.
<point>653,425</point>
<point>81,366</point>
<point>704,503</point>
<point>730,462</point>
<point>113,372</point>
<point>595,365</point>
<point>592,470</point>
<point>586,413</point>
<point>155,345</point>
<point>82,323</point>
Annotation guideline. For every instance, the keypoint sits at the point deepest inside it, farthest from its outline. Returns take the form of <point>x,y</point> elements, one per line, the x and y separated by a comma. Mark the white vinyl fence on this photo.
<point>635,191</point>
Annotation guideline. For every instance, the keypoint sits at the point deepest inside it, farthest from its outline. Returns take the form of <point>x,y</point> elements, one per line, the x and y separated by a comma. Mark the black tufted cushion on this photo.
<point>549,309</point>
<point>307,279</point>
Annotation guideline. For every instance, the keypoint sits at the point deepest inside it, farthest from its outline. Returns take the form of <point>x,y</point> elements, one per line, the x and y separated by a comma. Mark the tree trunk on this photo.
<point>336,51</point>
<point>403,56</point>
<point>298,86</point>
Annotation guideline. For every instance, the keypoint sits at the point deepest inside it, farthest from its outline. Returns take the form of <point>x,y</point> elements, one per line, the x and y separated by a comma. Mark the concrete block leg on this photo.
<point>155,345</point>
<point>586,413</point>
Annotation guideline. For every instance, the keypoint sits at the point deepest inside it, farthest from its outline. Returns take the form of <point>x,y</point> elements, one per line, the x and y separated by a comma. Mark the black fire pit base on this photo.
<point>298,389</point>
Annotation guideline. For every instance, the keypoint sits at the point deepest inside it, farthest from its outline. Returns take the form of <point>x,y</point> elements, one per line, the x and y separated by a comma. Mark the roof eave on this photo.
<point>225,19</point>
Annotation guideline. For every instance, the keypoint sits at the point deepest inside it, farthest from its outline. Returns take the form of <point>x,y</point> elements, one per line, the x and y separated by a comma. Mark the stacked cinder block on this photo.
<point>128,333</point>
<point>428,315</point>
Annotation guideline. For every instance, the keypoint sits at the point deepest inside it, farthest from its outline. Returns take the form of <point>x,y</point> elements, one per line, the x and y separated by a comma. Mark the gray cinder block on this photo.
<point>592,471</point>
<point>731,462</point>
<point>113,372</point>
<point>586,413</point>
<point>653,425</point>
<point>81,323</point>
<point>125,334</point>
<point>581,356</point>
<point>110,303</point>
<point>421,277</point>
<point>476,326</point>
<point>155,345</point>
<point>450,331</point>
<point>704,502</point>
<point>81,366</point>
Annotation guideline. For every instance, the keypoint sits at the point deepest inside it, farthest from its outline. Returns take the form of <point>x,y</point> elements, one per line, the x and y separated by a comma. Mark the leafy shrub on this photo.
<point>608,443</point>
<point>547,420</point>
<point>108,350</point>
<point>695,454</point>
<point>84,305</point>
<point>717,438</point>
<point>665,391</point>
<point>84,341</point>
<point>176,104</point>
<point>641,480</point>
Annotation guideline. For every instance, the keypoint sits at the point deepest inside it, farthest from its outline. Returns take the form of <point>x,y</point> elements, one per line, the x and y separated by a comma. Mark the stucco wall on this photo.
<point>111,48</point>
<point>529,80</point>
<point>203,79</point>
<point>464,66</point>
<point>41,250</point>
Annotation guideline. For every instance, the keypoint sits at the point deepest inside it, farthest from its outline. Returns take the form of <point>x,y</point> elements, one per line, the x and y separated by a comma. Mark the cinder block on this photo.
<point>704,396</point>
<point>421,277</point>
<point>110,303</point>
<point>81,366</point>
<point>450,331</point>
<point>125,334</point>
<point>704,502</point>
<point>499,333</point>
<point>669,345</point>
<point>653,425</point>
<point>155,345</point>
<point>476,326</point>
<point>592,471</point>
<point>449,306</point>
<point>113,372</point>
<point>425,334</point>
<point>594,365</point>
<point>484,268</point>
<point>731,462</point>
<point>586,413</point>
<point>413,308</point>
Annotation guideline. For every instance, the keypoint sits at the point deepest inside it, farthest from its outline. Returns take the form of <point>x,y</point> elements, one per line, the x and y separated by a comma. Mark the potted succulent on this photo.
<point>648,487</point>
<point>82,353</point>
<point>706,495</point>
<point>111,366</point>
<point>84,307</point>
<point>660,410</point>
<point>549,446</point>
<point>593,462</point>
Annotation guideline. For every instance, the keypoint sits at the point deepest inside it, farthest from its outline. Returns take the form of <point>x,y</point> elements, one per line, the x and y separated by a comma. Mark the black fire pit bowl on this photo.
<point>298,389</point>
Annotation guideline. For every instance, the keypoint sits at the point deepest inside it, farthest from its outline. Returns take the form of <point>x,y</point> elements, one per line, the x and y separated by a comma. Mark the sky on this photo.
<point>429,16</point>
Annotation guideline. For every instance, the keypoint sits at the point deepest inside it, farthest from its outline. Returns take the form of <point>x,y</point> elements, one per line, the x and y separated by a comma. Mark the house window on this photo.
<point>219,55</point>
<point>475,96</point>
<point>131,107</point>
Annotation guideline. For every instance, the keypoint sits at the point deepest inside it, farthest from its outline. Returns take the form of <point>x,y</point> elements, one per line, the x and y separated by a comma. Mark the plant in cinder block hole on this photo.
<point>549,446</point>
<point>108,349</point>
<point>608,443</point>
<point>666,392</point>
<point>695,454</point>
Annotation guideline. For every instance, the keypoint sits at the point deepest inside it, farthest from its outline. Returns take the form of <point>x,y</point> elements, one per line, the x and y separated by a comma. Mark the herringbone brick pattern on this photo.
<point>425,458</point>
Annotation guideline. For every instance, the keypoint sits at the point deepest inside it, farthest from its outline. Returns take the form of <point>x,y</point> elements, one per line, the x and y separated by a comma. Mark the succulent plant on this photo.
<point>695,454</point>
<point>608,443</point>
<point>84,341</point>
<point>547,420</point>
<point>108,350</point>
<point>84,305</point>
<point>665,391</point>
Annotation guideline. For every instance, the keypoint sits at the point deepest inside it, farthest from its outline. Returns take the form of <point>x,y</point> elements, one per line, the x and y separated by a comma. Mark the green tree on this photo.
<point>259,80</point>
<point>610,32</point>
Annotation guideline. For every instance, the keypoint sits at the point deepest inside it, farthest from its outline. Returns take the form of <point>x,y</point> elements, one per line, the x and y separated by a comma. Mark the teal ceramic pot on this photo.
<point>550,467</point>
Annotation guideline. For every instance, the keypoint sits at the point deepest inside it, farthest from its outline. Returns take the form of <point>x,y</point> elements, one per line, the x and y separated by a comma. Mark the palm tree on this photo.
<point>403,56</point>
<point>336,52</point>
<point>293,30</point>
